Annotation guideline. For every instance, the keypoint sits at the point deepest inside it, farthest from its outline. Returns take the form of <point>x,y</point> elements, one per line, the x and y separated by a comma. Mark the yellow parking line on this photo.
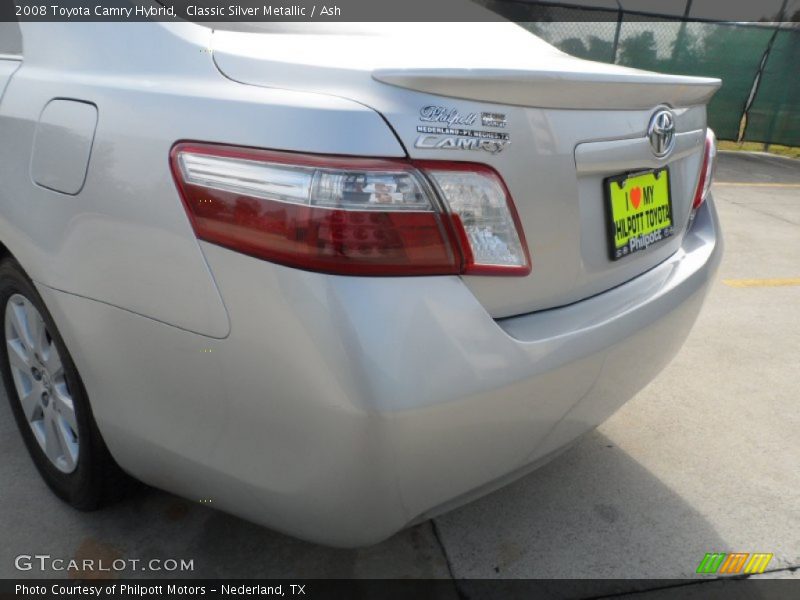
<point>746,184</point>
<point>741,283</point>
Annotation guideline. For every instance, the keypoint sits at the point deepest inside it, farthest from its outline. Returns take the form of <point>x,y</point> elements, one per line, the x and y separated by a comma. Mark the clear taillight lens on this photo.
<point>350,215</point>
<point>484,216</point>
<point>707,169</point>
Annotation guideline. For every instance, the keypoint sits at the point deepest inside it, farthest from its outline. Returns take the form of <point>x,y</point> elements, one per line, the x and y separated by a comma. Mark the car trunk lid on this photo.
<point>554,127</point>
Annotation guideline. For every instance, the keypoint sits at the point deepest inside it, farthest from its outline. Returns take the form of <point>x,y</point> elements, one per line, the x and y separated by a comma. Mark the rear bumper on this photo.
<point>341,409</point>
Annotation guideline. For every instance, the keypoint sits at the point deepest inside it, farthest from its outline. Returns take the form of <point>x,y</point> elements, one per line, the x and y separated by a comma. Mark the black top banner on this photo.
<point>222,11</point>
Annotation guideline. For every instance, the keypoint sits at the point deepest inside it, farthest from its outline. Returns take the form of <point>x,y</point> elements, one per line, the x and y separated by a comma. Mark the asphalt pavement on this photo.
<point>705,459</point>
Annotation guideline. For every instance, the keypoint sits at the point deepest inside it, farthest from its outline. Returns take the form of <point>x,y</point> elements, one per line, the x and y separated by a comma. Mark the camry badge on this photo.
<point>447,128</point>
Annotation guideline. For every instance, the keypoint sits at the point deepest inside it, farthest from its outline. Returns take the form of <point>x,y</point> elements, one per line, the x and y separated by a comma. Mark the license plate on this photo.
<point>639,209</point>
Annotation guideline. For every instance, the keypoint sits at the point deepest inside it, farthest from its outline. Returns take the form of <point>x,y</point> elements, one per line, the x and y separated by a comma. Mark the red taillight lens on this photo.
<point>707,169</point>
<point>349,216</point>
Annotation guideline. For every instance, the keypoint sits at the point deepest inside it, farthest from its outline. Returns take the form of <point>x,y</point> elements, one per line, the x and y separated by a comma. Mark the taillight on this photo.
<point>707,169</point>
<point>484,217</point>
<point>351,216</point>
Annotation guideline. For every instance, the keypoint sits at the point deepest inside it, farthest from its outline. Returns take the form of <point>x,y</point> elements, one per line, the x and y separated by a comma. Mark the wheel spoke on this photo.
<point>19,322</point>
<point>68,443</point>
<point>52,438</point>
<point>65,407</point>
<point>18,356</point>
<point>52,361</point>
<point>36,329</point>
<point>39,428</point>
<point>30,403</point>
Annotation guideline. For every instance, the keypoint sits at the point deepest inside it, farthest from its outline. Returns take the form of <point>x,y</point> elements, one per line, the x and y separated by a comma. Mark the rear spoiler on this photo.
<point>619,88</point>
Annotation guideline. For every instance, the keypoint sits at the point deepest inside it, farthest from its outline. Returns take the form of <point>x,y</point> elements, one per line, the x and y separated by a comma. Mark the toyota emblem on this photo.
<point>661,132</point>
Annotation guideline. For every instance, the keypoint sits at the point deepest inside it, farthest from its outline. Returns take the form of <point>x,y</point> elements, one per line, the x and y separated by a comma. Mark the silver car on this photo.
<point>329,280</point>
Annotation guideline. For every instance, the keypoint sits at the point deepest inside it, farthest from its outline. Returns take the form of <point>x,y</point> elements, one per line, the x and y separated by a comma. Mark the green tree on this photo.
<point>574,46</point>
<point>639,51</point>
<point>686,50</point>
<point>600,49</point>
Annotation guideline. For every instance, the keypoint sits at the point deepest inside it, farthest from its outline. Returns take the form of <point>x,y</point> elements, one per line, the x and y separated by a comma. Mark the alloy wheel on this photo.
<point>39,378</point>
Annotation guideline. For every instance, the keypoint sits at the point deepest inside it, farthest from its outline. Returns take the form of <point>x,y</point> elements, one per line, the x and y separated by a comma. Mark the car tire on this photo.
<point>55,420</point>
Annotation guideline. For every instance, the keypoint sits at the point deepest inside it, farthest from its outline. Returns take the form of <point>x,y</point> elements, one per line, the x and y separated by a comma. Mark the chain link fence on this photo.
<point>759,63</point>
